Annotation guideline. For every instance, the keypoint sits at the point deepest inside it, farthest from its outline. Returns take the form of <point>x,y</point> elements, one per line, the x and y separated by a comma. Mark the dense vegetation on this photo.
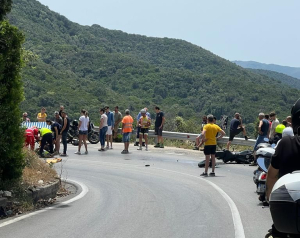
<point>90,66</point>
<point>285,79</point>
<point>291,71</point>
<point>11,95</point>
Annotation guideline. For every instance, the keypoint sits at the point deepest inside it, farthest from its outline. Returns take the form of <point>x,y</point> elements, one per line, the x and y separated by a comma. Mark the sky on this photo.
<point>265,31</point>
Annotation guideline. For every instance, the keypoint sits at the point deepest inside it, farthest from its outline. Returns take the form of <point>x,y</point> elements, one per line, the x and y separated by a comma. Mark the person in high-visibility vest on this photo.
<point>144,123</point>
<point>126,130</point>
<point>46,135</point>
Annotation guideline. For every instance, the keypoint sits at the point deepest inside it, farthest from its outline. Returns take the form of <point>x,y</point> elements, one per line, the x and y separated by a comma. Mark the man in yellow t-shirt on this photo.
<point>209,133</point>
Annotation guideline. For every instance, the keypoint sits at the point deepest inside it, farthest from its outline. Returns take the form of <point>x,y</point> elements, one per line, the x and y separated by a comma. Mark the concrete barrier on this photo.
<point>45,192</point>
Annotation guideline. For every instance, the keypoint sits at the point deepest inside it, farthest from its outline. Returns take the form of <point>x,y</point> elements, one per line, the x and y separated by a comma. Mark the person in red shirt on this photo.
<point>30,135</point>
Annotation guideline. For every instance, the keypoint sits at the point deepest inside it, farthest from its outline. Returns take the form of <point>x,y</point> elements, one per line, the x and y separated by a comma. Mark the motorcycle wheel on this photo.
<point>94,138</point>
<point>69,138</point>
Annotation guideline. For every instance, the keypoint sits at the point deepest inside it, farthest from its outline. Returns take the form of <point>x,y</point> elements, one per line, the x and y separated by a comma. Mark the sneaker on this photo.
<point>146,147</point>
<point>204,174</point>
<point>212,174</point>
<point>86,152</point>
<point>161,146</point>
<point>136,144</point>
<point>63,155</point>
<point>107,147</point>
<point>55,153</point>
<point>196,148</point>
<point>77,153</point>
<point>140,148</point>
<point>157,145</point>
<point>124,152</point>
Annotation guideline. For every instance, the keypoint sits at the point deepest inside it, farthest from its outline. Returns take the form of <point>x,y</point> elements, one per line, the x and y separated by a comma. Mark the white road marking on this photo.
<point>237,221</point>
<point>171,153</point>
<point>84,191</point>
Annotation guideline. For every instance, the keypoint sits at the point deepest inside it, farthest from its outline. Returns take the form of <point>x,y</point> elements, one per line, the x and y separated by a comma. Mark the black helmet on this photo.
<point>75,123</point>
<point>295,112</point>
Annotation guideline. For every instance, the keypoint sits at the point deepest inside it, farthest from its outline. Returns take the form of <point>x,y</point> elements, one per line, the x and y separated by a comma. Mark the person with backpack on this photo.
<point>55,128</point>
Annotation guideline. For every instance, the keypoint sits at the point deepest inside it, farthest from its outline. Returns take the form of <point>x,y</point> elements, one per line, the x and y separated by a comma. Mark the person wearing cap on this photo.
<point>25,117</point>
<point>117,119</point>
<point>138,128</point>
<point>285,159</point>
<point>209,137</point>
<point>263,130</point>
<point>57,118</point>
<point>126,130</point>
<point>144,123</point>
<point>236,127</point>
<point>275,123</point>
<point>110,124</point>
<point>42,116</point>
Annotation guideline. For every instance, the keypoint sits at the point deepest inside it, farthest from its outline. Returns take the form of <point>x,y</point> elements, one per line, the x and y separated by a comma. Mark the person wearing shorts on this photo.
<point>144,123</point>
<point>83,131</point>
<point>117,119</point>
<point>209,137</point>
<point>159,126</point>
<point>126,130</point>
<point>110,124</point>
<point>236,127</point>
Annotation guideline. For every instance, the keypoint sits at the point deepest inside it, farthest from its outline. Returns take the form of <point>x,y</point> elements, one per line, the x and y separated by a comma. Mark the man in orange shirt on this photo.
<point>209,133</point>
<point>126,130</point>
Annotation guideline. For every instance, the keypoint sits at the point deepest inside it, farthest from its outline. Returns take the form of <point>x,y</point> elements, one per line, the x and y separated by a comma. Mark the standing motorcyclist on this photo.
<point>285,160</point>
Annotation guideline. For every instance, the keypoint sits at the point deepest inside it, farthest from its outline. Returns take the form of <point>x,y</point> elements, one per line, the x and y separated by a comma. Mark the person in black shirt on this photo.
<point>55,128</point>
<point>236,127</point>
<point>285,159</point>
<point>159,125</point>
<point>64,131</point>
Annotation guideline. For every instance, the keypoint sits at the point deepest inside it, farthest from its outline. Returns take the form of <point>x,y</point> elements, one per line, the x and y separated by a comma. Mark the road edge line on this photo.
<point>84,191</point>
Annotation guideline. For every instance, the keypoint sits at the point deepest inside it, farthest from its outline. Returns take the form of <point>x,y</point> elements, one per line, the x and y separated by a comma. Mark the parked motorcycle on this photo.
<point>73,134</point>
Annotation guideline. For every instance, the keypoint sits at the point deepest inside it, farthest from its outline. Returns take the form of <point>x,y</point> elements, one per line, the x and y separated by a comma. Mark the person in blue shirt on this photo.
<point>110,124</point>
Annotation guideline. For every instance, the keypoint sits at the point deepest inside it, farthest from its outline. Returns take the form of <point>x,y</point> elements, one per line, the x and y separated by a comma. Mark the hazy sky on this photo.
<point>266,31</point>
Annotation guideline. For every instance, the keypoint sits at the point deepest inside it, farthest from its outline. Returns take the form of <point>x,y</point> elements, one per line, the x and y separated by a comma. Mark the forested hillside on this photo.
<point>90,66</point>
<point>285,79</point>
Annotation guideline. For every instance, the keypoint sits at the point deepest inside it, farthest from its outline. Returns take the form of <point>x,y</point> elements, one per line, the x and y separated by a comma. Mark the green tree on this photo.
<point>11,95</point>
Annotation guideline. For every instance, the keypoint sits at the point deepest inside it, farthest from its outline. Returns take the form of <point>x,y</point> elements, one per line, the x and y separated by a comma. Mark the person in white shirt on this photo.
<point>103,128</point>
<point>83,130</point>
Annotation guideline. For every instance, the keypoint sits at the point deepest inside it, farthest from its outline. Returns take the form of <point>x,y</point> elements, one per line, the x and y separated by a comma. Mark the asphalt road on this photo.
<point>128,199</point>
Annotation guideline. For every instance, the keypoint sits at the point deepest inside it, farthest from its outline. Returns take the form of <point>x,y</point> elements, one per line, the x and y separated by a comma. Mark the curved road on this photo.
<point>127,199</point>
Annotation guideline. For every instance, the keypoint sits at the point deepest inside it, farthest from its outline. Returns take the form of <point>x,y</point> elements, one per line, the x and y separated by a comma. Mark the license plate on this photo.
<point>261,188</point>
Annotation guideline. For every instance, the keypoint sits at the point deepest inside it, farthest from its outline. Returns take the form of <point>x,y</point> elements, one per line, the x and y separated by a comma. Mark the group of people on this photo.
<point>108,129</point>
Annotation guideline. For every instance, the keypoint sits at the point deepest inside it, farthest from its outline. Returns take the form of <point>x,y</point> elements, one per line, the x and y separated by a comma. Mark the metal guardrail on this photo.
<point>192,137</point>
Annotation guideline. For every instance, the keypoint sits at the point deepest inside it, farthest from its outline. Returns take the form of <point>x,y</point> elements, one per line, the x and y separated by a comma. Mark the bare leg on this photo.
<point>146,139</point>
<point>213,163</point>
<point>107,140</point>
<point>140,139</point>
<point>126,146</point>
<point>244,131</point>
<point>80,141</point>
<point>84,142</point>
<point>110,138</point>
<point>207,158</point>
<point>228,145</point>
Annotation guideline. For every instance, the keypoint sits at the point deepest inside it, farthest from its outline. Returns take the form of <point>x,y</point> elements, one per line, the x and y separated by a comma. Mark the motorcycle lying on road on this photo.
<point>243,157</point>
<point>73,134</point>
